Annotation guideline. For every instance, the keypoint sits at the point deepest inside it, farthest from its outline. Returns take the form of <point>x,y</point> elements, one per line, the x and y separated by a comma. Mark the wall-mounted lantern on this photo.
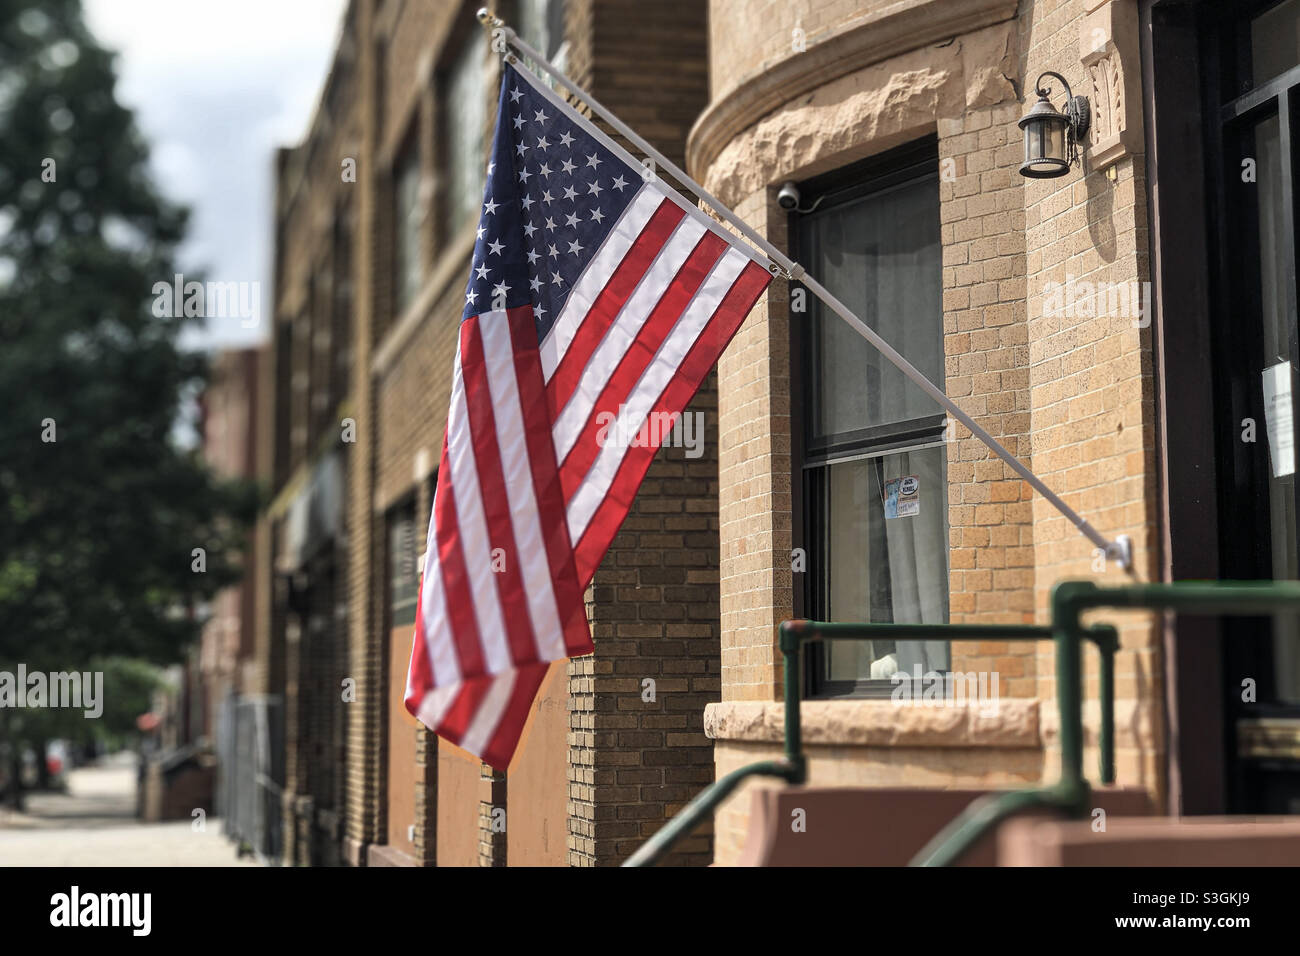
<point>1051,136</point>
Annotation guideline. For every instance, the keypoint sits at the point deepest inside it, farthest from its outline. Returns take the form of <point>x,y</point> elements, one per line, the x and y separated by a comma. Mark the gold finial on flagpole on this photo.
<point>488,19</point>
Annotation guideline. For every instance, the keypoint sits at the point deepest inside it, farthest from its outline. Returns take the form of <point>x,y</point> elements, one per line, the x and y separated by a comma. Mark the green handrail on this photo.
<point>1069,601</point>
<point>792,635</point>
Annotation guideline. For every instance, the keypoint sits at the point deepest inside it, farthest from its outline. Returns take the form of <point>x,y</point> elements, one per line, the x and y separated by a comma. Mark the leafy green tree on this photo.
<point>126,691</point>
<point>100,507</point>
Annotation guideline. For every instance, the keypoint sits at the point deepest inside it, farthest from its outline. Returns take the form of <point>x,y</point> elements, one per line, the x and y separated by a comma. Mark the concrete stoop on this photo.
<point>849,826</point>
<point>1156,841</point>
<point>887,826</point>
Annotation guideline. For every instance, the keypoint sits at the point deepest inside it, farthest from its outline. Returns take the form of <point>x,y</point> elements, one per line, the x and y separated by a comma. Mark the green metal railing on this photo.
<point>1070,794</point>
<point>1070,601</point>
<point>793,767</point>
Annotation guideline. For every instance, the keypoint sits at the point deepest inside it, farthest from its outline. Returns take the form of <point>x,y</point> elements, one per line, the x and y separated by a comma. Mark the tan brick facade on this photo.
<point>809,87</point>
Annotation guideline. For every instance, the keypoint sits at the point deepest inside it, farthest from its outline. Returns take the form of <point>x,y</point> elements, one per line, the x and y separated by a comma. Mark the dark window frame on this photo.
<point>1198,85</point>
<point>1233,107</point>
<point>401,513</point>
<point>408,152</point>
<point>1231,121</point>
<point>449,136</point>
<point>904,165</point>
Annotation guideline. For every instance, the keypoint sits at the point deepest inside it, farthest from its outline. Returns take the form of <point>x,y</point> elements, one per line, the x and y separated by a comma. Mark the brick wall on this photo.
<point>231,445</point>
<point>755,505</point>
<point>1093,424</point>
<point>637,747</point>
<point>364,816</point>
<point>638,752</point>
<point>986,349</point>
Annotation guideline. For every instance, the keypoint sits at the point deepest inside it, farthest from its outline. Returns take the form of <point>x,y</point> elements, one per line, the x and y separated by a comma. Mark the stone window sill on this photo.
<point>880,723</point>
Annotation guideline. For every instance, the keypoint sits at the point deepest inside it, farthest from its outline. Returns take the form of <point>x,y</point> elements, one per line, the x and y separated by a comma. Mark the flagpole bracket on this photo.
<point>1121,550</point>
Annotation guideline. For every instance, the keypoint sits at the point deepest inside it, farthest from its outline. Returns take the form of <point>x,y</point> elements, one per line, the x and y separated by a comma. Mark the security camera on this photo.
<point>788,196</point>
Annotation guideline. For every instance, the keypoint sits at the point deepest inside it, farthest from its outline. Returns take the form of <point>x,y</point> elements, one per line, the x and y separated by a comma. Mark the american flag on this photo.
<point>597,302</point>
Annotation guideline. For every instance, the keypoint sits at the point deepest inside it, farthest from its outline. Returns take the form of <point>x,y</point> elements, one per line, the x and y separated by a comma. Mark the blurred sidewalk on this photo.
<point>94,824</point>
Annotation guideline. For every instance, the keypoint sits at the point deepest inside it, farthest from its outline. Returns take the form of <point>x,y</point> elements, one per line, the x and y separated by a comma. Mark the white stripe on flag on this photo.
<point>487,718</point>
<point>476,543</point>
<point>622,333</point>
<point>596,276</point>
<point>436,703</point>
<point>589,495</point>
<point>433,607</point>
<point>433,601</point>
<point>516,467</point>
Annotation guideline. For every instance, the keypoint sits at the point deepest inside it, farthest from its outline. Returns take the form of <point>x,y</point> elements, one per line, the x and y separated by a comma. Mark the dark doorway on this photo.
<point>1222,86</point>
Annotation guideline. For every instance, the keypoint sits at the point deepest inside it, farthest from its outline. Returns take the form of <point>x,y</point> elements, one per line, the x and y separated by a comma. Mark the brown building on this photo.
<point>231,432</point>
<point>375,225</point>
<point>1100,326</point>
<point>193,709</point>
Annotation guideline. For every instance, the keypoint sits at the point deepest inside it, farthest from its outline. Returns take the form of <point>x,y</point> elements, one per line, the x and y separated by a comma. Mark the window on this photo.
<point>408,270</point>
<point>403,575</point>
<point>1256,338</point>
<point>283,401</point>
<point>1275,41</point>
<point>874,475</point>
<point>341,317</point>
<point>541,25</point>
<point>467,105</point>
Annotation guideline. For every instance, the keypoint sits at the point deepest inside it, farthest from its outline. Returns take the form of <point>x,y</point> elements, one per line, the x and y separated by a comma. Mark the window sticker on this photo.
<point>903,497</point>
<point>1278,418</point>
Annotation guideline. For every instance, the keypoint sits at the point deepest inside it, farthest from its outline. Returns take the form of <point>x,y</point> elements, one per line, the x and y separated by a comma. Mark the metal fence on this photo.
<point>250,748</point>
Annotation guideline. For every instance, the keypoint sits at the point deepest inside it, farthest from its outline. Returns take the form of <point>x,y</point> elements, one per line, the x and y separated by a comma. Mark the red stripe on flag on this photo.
<point>419,671</point>
<point>658,325</point>
<point>627,276</point>
<point>502,746</point>
<point>546,482</point>
<point>462,710</point>
<point>492,489</point>
<point>713,338</point>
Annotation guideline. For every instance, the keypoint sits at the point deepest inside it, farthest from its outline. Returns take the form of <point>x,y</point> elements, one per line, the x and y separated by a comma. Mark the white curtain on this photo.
<point>918,561</point>
<point>887,570</point>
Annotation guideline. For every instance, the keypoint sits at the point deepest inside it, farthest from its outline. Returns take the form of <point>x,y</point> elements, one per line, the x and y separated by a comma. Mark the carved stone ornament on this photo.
<point>1108,49</point>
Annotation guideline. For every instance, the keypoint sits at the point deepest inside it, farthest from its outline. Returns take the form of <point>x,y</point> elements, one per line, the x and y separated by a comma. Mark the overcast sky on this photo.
<point>216,86</point>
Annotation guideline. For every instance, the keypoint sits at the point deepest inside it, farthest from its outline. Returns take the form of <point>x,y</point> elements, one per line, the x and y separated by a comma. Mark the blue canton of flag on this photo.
<point>553,193</point>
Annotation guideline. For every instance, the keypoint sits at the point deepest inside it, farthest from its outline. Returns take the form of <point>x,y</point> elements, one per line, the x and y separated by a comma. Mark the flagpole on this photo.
<point>1120,549</point>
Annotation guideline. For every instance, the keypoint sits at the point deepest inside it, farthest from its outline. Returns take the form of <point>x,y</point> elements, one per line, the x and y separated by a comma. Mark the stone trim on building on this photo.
<point>831,48</point>
<point>880,723</point>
